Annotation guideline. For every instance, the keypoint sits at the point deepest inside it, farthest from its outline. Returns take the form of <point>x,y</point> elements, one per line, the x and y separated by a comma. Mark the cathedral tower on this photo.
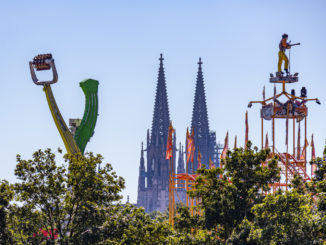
<point>153,181</point>
<point>153,186</point>
<point>205,140</point>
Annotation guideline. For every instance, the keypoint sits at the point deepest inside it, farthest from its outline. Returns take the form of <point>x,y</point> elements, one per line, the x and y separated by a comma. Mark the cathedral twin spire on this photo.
<point>161,117</point>
<point>153,186</point>
<point>199,122</point>
<point>204,139</point>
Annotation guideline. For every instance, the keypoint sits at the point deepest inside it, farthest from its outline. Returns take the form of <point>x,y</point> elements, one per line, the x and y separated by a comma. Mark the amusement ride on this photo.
<point>81,130</point>
<point>291,162</point>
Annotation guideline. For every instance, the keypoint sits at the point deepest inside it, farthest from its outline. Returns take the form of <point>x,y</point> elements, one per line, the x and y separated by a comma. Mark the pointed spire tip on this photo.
<point>200,62</point>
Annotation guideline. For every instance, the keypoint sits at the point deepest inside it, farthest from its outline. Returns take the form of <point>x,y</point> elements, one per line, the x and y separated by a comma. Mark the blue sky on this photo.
<point>119,42</point>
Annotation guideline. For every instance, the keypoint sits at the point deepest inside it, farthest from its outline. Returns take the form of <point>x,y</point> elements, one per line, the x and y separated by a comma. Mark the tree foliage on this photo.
<point>318,184</point>
<point>69,200</point>
<point>131,225</point>
<point>294,216</point>
<point>78,203</point>
<point>227,195</point>
<point>6,195</point>
<point>287,218</point>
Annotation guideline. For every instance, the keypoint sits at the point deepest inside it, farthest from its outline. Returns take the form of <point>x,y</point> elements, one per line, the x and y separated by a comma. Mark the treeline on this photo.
<point>77,202</point>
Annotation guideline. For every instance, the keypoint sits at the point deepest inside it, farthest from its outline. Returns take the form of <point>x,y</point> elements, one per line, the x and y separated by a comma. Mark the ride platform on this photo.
<point>280,78</point>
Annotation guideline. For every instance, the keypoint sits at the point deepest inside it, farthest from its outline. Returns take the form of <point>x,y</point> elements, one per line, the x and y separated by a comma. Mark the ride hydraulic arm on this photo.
<point>86,129</point>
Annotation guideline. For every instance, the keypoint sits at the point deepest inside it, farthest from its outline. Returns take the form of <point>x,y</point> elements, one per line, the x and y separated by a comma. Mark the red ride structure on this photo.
<point>283,106</point>
<point>293,110</point>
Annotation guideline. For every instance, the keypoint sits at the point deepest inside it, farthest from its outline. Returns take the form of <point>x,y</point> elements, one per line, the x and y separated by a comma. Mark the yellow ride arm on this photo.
<point>66,136</point>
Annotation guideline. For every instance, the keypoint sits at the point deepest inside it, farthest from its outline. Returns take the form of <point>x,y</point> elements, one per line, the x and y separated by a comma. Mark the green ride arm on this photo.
<point>86,129</point>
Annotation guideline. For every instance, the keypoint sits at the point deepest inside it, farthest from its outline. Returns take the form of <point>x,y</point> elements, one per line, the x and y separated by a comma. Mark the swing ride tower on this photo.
<point>292,109</point>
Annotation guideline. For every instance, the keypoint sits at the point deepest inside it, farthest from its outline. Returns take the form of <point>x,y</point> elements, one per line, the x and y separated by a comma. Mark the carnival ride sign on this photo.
<point>289,109</point>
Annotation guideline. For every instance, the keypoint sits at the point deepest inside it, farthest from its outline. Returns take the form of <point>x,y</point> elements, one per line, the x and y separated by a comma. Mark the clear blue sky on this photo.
<point>119,42</point>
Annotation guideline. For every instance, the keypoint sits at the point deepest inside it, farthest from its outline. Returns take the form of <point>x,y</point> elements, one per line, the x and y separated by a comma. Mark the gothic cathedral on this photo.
<point>153,181</point>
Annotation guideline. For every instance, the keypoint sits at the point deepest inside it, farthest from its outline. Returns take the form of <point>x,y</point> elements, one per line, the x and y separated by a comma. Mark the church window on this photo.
<point>153,164</point>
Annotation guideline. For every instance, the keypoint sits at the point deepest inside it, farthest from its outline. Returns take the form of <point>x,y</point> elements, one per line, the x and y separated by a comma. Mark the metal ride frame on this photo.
<point>171,192</point>
<point>288,163</point>
<point>180,181</point>
<point>272,109</point>
<point>73,143</point>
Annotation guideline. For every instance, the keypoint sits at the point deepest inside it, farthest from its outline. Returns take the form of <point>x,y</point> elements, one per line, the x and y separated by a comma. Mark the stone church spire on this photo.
<point>181,164</point>
<point>161,118</point>
<point>141,177</point>
<point>155,195</point>
<point>200,124</point>
<point>199,120</point>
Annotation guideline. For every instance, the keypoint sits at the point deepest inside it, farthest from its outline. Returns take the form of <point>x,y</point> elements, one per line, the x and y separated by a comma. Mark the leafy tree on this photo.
<point>200,237</point>
<point>69,200</point>
<point>6,195</point>
<point>190,229</point>
<point>184,222</point>
<point>79,201</point>
<point>228,200</point>
<point>320,174</point>
<point>131,225</point>
<point>159,216</point>
<point>318,185</point>
<point>287,218</point>
<point>298,184</point>
<point>24,223</point>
